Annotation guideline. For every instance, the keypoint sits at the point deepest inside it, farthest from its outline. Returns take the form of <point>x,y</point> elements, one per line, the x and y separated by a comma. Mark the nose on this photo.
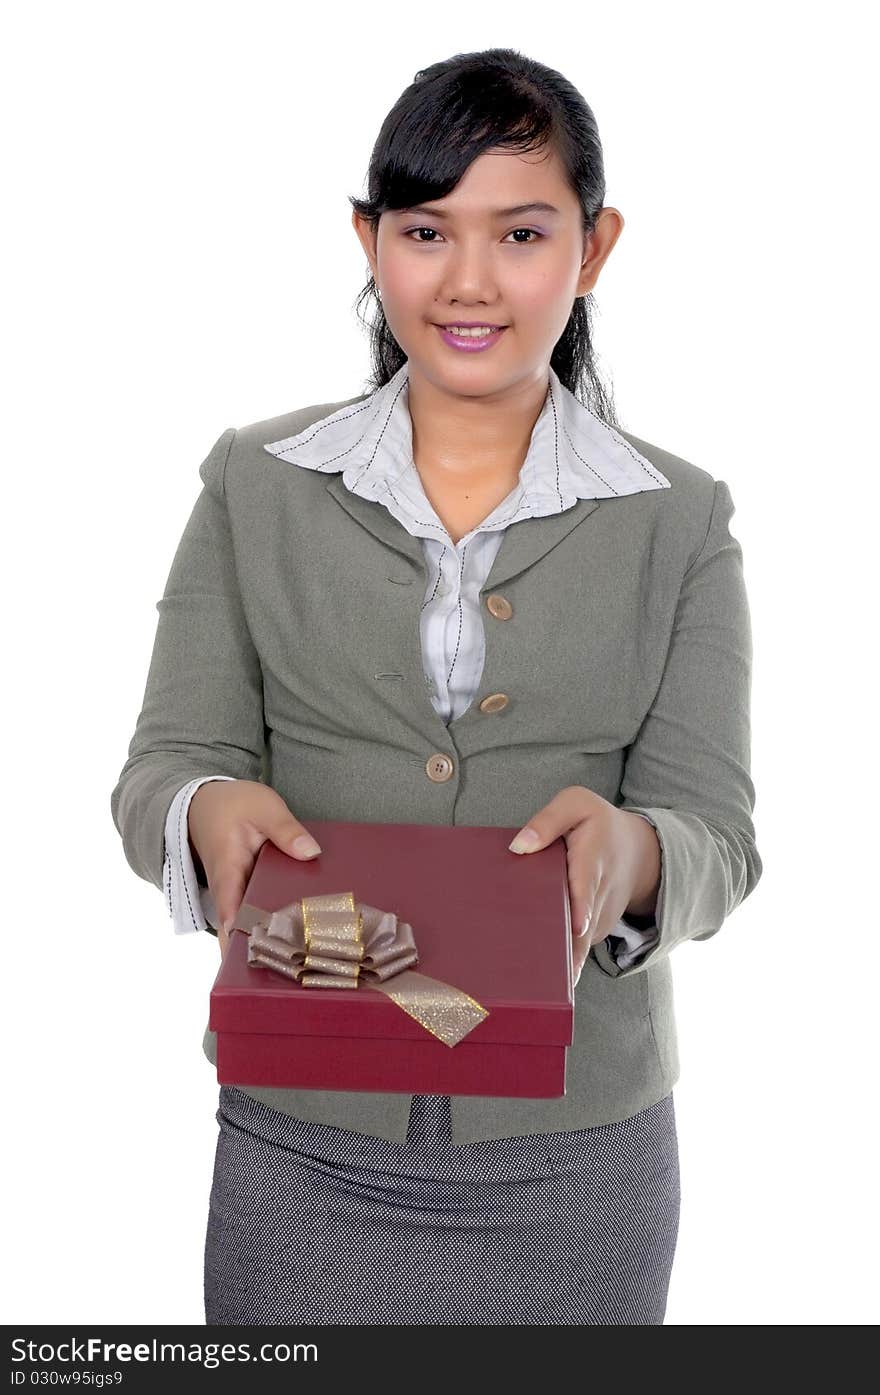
<point>469,278</point>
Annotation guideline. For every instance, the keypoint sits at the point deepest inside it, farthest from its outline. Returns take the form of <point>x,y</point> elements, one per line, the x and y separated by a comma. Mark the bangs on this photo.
<point>450,118</point>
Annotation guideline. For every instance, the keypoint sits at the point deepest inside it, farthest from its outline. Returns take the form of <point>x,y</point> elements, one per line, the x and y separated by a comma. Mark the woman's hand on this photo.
<point>613,862</point>
<point>229,821</point>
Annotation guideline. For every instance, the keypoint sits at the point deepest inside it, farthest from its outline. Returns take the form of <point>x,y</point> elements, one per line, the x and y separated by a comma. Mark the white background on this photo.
<point>179,258</point>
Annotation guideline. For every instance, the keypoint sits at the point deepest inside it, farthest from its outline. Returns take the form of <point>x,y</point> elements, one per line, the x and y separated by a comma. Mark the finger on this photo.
<point>581,924</point>
<point>583,916</point>
<point>579,956</point>
<point>595,921</point>
<point>564,812</point>
<point>584,890</point>
<point>227,882</point>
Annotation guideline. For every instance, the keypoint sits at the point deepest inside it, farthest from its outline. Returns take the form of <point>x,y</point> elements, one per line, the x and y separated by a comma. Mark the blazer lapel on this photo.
<point>524,543</point>
<point>377,520</point>
<point>527,541</point>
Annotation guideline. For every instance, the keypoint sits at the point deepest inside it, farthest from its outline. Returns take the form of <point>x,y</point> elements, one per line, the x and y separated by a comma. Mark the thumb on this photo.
<point>288,834</point>
<point>563,813</point>
<point>527,840</point>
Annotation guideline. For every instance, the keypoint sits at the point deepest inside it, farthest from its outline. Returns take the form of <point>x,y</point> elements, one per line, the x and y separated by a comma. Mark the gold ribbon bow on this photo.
<point>333,941</point>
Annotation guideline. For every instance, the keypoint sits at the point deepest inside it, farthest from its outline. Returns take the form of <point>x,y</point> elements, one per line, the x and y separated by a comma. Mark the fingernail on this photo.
<point>226,925</point>
<point>524,840</point>
<point>586,925</point>
<point>306,845</point>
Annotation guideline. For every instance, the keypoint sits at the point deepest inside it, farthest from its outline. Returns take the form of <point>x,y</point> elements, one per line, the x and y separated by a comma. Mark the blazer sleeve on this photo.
<point>688,770</point>
<point>202,710</point>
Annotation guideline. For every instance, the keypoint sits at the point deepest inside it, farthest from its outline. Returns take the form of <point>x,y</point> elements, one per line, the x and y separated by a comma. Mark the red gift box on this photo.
<point>492,923</point>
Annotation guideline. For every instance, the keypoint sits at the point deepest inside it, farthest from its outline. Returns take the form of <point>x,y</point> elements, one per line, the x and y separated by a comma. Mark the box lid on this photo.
<point>491,922</point>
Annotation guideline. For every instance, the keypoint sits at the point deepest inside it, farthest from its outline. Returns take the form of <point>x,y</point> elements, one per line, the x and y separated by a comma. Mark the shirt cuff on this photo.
<point>183,891</point>
<point>628,942</point>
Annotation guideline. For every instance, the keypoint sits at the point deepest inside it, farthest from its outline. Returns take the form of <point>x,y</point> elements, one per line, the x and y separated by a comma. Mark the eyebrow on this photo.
<point>495,213</point>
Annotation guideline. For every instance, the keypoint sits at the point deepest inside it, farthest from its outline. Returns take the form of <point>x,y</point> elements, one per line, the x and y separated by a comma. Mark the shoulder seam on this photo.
<point>702,547</point>
<point>234,430</point>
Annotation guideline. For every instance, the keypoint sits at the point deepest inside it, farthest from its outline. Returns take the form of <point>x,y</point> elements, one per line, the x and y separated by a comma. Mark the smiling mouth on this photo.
<point>465,325</point>
<point>471,337</point>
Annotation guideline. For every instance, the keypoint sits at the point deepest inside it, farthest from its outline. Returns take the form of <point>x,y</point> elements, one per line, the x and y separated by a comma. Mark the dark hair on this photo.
<point>450,114</point>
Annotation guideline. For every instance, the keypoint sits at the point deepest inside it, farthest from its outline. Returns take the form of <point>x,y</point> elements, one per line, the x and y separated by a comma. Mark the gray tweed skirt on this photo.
<point>313,1224</point>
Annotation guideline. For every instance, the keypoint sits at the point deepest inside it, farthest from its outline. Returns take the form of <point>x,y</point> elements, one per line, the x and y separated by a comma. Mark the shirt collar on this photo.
<point>572,453</point>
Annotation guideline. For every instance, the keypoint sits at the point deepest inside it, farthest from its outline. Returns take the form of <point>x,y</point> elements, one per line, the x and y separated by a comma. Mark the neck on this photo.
<point>473,437</point>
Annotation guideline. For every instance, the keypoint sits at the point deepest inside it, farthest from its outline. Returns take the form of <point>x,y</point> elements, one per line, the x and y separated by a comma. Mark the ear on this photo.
<point>597,247</point>
<point>367,236</point>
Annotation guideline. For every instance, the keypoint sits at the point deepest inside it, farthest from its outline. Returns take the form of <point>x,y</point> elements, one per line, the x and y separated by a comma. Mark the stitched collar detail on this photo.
<point>572,453</point>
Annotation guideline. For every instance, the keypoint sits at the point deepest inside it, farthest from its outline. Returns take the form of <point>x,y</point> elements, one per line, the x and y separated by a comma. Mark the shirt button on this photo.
<point>439,767</point>
<point>499,606</point>
<point>495,702</point>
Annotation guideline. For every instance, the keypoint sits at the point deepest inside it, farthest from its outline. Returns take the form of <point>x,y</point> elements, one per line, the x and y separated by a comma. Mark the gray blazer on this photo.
<point>627,662</point>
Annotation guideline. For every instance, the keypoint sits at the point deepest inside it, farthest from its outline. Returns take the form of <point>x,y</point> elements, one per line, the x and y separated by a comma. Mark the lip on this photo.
<point>469,345</point>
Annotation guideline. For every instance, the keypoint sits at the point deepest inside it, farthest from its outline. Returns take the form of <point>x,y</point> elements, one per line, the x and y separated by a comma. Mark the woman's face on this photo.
<point>464,259</point>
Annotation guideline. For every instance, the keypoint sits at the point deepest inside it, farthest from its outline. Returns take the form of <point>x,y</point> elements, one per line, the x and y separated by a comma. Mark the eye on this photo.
<point>534,234</point>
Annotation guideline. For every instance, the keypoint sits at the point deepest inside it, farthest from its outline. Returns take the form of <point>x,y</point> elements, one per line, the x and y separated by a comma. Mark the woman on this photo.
<point>480,527</point>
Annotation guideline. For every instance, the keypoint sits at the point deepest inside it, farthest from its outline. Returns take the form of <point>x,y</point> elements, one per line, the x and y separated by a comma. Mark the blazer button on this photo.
<point>440,767</point>
<point>499,606</point>
<point>495,702</point>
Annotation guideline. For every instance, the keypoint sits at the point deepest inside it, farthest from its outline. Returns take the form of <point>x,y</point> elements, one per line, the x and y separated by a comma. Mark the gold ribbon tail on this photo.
<point>446,1011</point>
